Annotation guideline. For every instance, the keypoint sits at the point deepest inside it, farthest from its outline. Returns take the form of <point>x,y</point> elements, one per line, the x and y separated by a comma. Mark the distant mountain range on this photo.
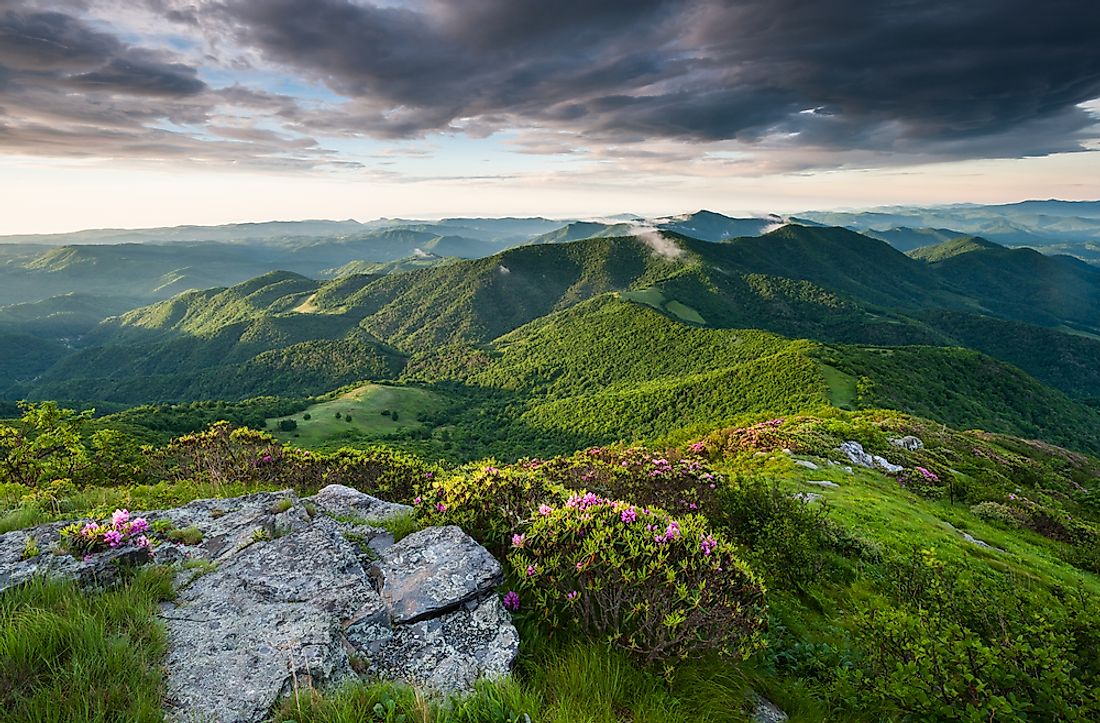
<point>877,326</point>
<point>232,312</point>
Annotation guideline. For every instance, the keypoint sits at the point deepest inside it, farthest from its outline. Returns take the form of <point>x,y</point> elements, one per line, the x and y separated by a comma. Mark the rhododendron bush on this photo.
<point>658,586</point>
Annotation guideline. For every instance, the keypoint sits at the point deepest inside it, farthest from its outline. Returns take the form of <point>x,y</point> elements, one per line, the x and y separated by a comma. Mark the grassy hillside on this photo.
<point>370,411</point>
<point>964,586</point>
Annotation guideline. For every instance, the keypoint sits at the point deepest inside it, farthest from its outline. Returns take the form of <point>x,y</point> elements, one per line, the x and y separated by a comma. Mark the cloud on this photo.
<point>721,85</point>
<point>656,241</point>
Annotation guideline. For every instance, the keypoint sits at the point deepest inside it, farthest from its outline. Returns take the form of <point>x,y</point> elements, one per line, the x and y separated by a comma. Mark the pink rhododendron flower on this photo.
<point>628,515</point>
<point>545,510</point>
<point>530,570</point>
<point>113,538</point>
<point>518,540</point>
<point>441,507</point>
<point>572,595</point>
<point>511,601</point>
<point>139,525</point>
<point>119,517</point>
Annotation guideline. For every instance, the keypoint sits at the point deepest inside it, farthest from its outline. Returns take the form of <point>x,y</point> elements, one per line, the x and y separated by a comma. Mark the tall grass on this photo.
<point>94,657</point>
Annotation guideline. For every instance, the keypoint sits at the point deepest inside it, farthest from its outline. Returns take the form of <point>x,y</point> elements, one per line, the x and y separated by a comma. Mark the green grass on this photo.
<point>656,299</point>
<point>90,657</point>
<point>365,405</point>
<point>21,518</point>
<point>842,387</point>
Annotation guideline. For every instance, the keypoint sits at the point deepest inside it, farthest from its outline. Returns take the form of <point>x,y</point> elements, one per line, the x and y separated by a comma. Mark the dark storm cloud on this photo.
<point>899,78</point>
<point>699,69</point>
<point>69,88</point>
<point>55,48</point>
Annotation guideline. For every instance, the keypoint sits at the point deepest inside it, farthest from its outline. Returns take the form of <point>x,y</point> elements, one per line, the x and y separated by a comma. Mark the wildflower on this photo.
<point>1011,496</point>
<point>531,571</point>
<point>511,601</point>
<point>545,510</point>
<point>491,470</point>
<point>572,595</point>
<point>267,458</point>
<point>87,558</point>
<point>708,544</point>
<point>141,541</point>
<point>89,530</point>
<point>417,500</point>
<point>119,517</point>
<point>518,540</point>
<point>628,515</point>
<point>698,447</point>
<point>138,526</point>
<point>113,538</point>
<point>429,475</point>
<point>441,507</point>
<point>580,566</point>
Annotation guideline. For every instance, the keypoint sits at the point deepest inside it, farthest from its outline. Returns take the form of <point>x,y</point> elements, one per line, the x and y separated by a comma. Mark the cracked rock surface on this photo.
<point>274,597</point>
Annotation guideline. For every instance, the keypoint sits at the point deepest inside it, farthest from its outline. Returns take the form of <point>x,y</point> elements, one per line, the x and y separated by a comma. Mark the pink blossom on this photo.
<point>518,540</point>
<point>628,515</point>
<point>545,510</point>
<point>138,526</point>
<point>530,570</point>
<point>113,538</point>
<point>119,517</point>
<point>572,595</point>
<point>511,600</point>
<point>141,541</point>
<point>441,507</point>
<point>417,500</point>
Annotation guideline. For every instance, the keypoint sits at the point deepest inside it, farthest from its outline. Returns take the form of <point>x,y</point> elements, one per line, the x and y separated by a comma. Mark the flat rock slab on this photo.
<point>433,571</point>
<point>349,502</point>
<point>822,483</point>
<point>448,653</point>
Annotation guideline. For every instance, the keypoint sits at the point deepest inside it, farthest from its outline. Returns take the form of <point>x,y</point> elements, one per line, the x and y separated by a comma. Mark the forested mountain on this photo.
<point>500,322</point>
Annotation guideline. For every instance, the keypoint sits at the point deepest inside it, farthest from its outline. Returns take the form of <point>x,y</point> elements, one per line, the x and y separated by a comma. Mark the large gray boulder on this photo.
<point>856,455</point>
<point>432,571</point>
<point>283,593</point>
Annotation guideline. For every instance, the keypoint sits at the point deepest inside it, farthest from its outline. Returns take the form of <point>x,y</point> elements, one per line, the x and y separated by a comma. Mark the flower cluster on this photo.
<point>670,478</point>
<point>92,537</point>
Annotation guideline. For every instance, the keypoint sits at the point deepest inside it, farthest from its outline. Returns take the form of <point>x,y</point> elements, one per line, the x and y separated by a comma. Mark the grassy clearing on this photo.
<point>842,387</point>
<point>364,405</point>
<point>656,299</point>
<point>91,657</point>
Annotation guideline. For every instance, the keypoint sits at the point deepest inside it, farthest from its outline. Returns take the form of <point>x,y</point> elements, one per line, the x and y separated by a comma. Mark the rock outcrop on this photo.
<point>282,593</point>
<point>856,455</point>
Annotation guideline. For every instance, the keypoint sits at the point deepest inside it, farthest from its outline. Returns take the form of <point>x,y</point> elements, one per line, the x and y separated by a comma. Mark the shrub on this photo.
<point>287,425</point>
<point>660,587</point>
<point>784,536</point>
<point>224,455</point>
<point>959,648</point>
<point>488,502</point>
<point>307,416</point>
<point>49,444</point>
<point>670,479</point>
<point>996,512</point>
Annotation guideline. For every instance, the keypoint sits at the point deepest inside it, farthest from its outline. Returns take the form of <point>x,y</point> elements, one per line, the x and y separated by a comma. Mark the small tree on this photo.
<point>287,425</point>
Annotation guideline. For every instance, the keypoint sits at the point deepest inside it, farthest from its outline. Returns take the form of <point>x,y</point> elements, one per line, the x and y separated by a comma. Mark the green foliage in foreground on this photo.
<point>66,655</point>
<point>879,608</point>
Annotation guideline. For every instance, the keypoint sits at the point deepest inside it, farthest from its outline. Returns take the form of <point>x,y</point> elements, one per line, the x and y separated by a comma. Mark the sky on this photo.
<point>133,113</point>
